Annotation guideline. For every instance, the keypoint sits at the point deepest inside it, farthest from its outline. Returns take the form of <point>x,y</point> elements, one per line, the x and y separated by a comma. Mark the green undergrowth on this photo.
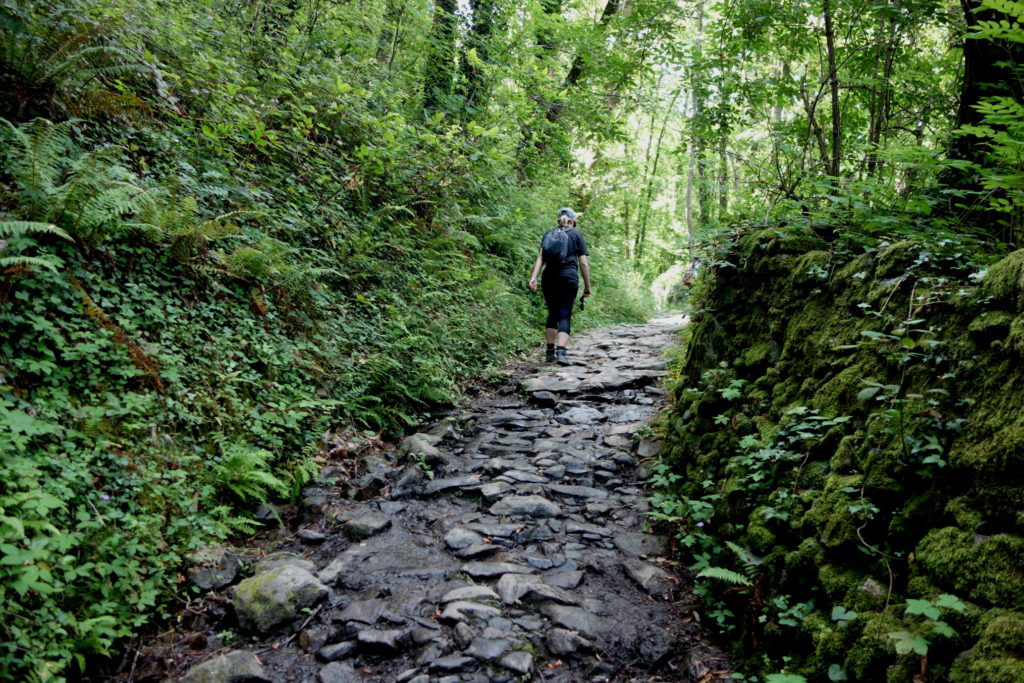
<point>176,360</point>
<point>845,457</point>
<point>198,281</point>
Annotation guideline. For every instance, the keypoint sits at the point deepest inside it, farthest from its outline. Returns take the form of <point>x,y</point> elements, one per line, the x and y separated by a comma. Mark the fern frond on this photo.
<point>723,574</point>
<point>28,263</point>
<point>749,559</point>
<point>23,228</point>
<point>39,149</point>
<point>245,472</point>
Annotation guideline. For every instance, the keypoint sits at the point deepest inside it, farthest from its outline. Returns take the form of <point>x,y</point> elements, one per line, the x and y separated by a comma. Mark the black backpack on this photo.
<point>555,245</point>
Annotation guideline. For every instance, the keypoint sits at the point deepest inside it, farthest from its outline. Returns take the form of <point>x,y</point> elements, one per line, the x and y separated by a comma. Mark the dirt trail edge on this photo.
<point>504,543</point>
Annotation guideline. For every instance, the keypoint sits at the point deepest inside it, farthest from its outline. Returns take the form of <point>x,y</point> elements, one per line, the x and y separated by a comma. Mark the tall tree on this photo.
<point>439,71</point>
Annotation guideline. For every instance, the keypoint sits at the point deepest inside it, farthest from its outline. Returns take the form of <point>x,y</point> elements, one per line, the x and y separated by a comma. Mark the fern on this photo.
<point>20,229</point>
<point>9,229</point>
<point>245,472</point>
<point>96,195</point>
<point>723,574</point>
<point>35,159</point>
<point>750,561</point>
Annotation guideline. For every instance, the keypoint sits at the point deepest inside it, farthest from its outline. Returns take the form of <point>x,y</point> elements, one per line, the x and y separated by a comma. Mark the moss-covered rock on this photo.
<point>1004,282</point>
<point>998,654</point>
<point>915,491</point>
<point>987,569</point>
<point>276,597</point>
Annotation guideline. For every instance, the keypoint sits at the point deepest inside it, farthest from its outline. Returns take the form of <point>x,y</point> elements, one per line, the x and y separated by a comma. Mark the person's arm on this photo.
<point>536,270</point>
<point>585,271</point>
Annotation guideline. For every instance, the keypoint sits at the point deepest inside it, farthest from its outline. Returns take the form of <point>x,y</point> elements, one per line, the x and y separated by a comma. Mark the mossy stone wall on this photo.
<point>919,492</point>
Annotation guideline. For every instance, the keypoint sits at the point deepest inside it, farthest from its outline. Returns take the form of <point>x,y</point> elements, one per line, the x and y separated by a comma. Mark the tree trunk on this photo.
<point>477,43</point>
<point>834,166</point>
<point>572,79</point>
<point>991,68</point>
<point>439,74</point>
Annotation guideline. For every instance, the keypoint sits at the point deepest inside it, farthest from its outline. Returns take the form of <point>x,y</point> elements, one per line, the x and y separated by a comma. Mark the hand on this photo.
<point>533,285</point>
<point>586,292</point>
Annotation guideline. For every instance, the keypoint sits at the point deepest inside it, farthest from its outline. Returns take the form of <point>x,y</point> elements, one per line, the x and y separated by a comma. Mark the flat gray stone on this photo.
<point>573,527</point>
<point>637,543</point>
<point>581,415</point>
<point>364,611</point>
<point>493,530</point>
<point>465,610</point>
<point>460,537</point>
<point>515,587</point>
<point>470,593</point>
<point>494,490</point>
<point>370,524</point>
<point>479,550</point>
<point>526,506</point>
<point>488,648</point>
<point>460,482</point>
<point>547,383</point>
<point>276,597</point>
<point>578,491</point>
<point>525,477</point>
<point>574,619</point>
<point>564,642</point>
<point>521,662</point>
<point>338,672</point>
<point>654,580</point>
<point>310,537</point>
<point>453,664</point>
<point>648,448</point>
<point>567,580</point>
<point>331,653</point>
<point>487,570</point>
<point>422,446</point>
<point>384,641</point>
<point>228,668</point>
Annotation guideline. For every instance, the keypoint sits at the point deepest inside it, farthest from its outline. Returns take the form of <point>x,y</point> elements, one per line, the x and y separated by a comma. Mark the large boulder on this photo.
<point>276,597</point>
<point>234,667</point>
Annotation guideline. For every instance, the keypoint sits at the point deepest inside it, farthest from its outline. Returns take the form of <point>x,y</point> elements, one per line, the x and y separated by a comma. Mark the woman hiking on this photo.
<point>563,252</point>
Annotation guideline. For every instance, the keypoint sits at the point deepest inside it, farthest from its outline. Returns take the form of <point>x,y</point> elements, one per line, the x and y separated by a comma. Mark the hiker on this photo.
<point>563,252</point>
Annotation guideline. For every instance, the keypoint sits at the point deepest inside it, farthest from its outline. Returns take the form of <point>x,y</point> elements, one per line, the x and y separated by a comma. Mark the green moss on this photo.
<point>1015,339</point>
<point>758,537</point>
<point>837,581</point>
<point>830,516</point>
<point>896,259</point>
<point>1004,281</point>
<point>990,326</point>
<point>842,460</point>
<point>810,269</point>
<point>961,510</point>
<point>839,394</point>
<point>998,656</point>
<point>871,654</point>
<point>988,569</point>
<point>758,354</point>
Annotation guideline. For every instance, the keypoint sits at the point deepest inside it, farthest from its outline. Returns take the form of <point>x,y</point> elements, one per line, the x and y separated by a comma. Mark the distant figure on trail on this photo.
<point>564,253</point>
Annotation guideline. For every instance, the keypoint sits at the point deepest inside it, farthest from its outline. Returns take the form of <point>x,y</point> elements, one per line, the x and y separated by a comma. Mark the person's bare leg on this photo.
<point>563,339</point>
<point>549,335</point>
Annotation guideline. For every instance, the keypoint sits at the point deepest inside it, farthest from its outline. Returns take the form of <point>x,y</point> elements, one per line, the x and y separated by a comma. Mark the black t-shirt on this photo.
<point>577,247</point>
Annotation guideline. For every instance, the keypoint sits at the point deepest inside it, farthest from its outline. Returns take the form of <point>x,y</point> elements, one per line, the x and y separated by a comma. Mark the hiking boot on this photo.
<point>549,356</point>
<point>560,357</point>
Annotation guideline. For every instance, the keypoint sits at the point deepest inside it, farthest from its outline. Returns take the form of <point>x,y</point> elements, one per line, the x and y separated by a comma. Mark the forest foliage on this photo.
<point>229,227</point>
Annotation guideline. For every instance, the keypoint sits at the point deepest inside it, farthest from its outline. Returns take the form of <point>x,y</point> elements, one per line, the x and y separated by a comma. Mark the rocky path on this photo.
<point>504,543</point>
